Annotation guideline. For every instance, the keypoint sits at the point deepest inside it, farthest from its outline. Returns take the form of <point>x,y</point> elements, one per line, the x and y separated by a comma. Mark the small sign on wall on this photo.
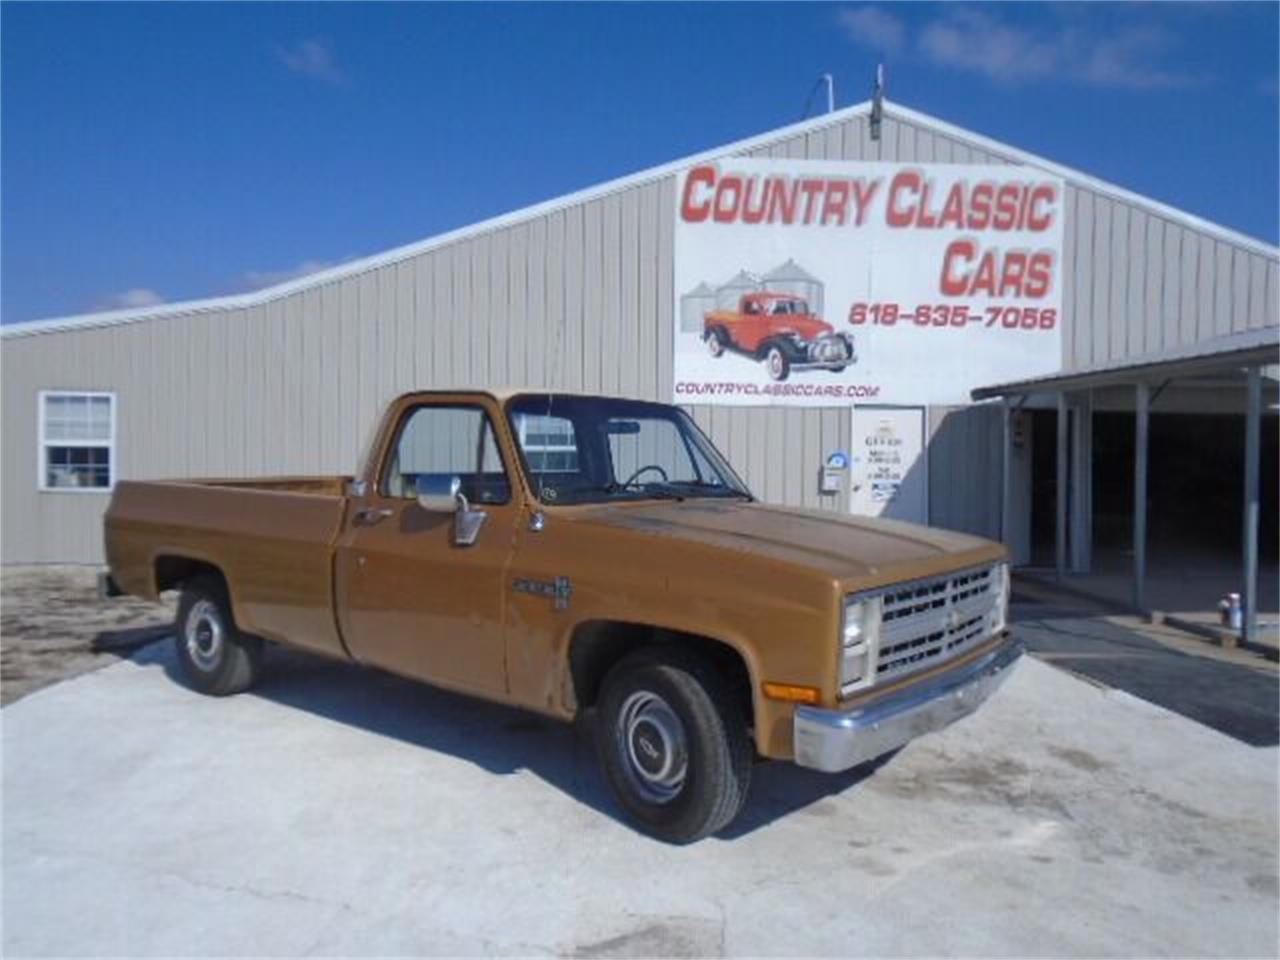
<point>834,472</point>
<point>889,475</point>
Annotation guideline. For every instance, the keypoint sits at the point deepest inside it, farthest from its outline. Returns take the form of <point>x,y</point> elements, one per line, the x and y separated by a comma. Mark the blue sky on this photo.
<point>171,151</point>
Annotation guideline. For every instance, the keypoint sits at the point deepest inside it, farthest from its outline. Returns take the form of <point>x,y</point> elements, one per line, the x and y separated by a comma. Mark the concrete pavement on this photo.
<point>342,811</point>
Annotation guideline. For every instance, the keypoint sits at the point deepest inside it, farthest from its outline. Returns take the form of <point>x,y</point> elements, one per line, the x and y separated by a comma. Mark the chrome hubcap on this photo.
<point>775,364</point>
<point>714,345</point>
<point>653,745</point>
<point>204,635</point>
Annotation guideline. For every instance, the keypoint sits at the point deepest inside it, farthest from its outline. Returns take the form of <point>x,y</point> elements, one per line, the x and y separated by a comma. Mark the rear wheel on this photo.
<point>715,342</point>
<point>216,658</point>
<point>674,745</point>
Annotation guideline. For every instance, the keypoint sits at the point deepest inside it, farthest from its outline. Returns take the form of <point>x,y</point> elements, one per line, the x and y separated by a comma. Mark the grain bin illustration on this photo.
<point>729,292</point>
<point>794,279</point>
<point>693,305</point>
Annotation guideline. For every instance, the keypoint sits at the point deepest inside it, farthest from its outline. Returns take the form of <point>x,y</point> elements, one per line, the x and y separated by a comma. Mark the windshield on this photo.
<point>600,450</point>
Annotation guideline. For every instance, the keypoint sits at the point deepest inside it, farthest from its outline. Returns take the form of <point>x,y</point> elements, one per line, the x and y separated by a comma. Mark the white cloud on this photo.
<point>970,40</point>
<point>874,28</point>
<point>129,300</point>
<point>974,40</point>
<point>311,58</point>
<point>257,279</point>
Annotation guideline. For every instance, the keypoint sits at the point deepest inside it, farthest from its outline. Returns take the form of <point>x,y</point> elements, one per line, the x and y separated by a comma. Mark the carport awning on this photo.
<point>1246,349</point>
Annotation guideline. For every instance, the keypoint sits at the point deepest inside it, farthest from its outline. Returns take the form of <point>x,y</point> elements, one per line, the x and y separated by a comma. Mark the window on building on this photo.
<point>548,443</point>
<point>77,440</point>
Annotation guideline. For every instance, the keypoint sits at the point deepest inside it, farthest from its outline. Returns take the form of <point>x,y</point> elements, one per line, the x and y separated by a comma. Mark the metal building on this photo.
<point>578,293</point>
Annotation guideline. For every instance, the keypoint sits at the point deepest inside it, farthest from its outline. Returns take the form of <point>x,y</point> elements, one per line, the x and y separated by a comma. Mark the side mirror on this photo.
<point>442,493</point>
<point>438,492</point>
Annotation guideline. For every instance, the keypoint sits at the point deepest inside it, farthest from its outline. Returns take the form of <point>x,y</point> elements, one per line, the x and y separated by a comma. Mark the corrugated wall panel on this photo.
<point>552,348</point>
<point>629,316</point>
<point>1153,303</point>
<point>608,348</point>
<point>1223,319</point>
<point>516,321</point>
<point>1273,294</point>
<point>1118,283</point>
<point>1189,274</point>
<point>666,284</point>
<point>1136,301</point>
<point>567,362</point>
<point>1257,272</point>
<point>1070,357</point>
<point>1100,280</point>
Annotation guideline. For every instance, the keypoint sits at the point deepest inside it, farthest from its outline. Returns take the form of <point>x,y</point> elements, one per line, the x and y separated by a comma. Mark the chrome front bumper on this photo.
<point>833,740</point>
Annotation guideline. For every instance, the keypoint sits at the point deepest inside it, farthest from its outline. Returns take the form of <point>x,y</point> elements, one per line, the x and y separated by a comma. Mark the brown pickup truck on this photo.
<point>568,553</point>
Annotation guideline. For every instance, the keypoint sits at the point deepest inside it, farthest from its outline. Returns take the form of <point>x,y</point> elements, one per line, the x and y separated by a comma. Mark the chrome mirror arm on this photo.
<point>467,522</point>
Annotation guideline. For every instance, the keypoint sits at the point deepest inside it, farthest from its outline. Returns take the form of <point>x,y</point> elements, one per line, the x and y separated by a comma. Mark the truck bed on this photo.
<point>273,539</point>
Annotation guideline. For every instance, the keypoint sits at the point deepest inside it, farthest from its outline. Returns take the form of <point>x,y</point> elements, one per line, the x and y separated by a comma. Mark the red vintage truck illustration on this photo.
<point>782,331</point>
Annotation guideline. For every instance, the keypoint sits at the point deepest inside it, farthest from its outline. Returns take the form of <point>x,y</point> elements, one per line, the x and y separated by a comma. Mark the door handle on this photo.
<point>371,515</point>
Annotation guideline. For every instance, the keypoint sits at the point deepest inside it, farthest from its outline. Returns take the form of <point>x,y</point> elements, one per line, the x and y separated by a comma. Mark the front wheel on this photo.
<point>674,745</point>
<point>216,658</point>
<point>776,362</point>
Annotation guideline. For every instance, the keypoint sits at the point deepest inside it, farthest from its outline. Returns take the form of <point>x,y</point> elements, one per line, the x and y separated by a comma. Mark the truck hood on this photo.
<point>809,328</point>
<point>859,551</point>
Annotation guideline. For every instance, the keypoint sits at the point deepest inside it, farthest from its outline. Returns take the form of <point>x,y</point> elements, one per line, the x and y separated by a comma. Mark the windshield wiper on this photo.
<point>706,488</point>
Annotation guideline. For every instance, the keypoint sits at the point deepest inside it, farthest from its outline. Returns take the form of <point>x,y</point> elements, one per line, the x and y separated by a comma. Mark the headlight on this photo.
<point>859,644</point>
<point>1000,583</point>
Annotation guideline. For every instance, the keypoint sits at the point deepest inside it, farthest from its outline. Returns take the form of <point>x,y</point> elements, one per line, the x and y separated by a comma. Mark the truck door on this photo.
<point>409,599</point>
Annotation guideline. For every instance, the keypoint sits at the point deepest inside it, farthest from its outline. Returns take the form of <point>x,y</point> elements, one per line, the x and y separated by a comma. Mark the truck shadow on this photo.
<point>499,739</point>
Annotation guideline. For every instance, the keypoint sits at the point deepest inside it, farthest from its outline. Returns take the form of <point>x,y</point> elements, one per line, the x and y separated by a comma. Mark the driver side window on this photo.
<point>449,441</point>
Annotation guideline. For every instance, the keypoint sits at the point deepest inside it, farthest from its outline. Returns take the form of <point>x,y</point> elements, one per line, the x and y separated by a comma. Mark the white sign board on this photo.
<point>889,474</point>
<point>829,282</point>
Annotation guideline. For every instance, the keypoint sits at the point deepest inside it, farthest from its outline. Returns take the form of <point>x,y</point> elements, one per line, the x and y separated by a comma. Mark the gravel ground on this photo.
<point>53,626</point>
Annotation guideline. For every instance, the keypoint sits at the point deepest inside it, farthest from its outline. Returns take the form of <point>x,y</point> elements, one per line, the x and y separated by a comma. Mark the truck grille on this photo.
<point>928,622</point>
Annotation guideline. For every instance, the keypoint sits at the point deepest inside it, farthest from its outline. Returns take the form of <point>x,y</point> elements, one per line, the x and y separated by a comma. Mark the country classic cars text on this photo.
<point>906,201</point>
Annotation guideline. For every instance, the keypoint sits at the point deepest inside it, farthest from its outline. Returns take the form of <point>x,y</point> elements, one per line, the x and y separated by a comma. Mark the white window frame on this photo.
<point>42,458</point>
<point>544,448</point>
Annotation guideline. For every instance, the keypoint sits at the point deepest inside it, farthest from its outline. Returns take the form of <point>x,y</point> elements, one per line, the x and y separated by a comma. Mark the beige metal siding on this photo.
<point>578,298</point>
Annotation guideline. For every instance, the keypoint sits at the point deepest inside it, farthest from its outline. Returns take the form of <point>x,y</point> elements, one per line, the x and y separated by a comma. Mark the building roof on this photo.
<point>1243,349</point>
<point>365,264</point>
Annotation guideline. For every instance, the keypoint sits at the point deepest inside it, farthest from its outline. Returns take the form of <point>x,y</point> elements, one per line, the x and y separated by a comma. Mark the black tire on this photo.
<point>718,751</point>
<point>717,343</point>
<point>776,362</point>
<point>217,659</point>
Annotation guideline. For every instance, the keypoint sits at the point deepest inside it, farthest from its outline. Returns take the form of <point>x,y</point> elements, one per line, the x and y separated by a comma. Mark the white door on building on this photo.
<point>888,468</point>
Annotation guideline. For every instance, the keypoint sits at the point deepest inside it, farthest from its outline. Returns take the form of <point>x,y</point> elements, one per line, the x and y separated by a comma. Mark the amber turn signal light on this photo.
<point>791,692</point>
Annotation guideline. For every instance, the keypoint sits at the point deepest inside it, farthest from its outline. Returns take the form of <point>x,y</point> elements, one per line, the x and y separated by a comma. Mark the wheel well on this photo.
<point>762,350</point>
<point>172,572</point>
<point>596,646</point>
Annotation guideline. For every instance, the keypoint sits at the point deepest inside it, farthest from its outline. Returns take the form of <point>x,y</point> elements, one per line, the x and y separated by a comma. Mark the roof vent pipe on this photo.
<point>830,83</point>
